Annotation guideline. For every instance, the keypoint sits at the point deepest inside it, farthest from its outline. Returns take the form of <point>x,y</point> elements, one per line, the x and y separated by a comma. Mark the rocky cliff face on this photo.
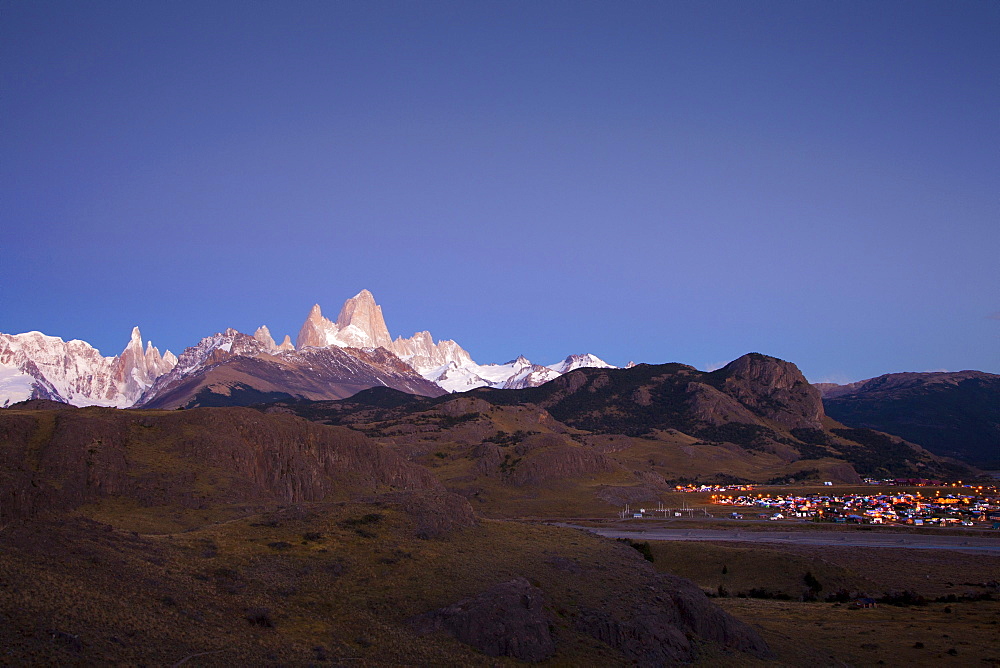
<point>316,330</point>
<point>509,619</point>
<point>359,325</point>
<point>263,336</point>
<point>135,371</point>
<point>34,365</point>
<point>57,460</point>
<point>773,389</point>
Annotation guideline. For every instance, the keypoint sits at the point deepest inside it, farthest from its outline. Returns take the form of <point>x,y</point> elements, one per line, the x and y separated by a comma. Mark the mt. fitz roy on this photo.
<point>360,325</point>
<point>330,360</point>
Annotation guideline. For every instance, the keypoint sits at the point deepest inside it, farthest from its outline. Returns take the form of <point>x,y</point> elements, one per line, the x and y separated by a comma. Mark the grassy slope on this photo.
<point>823,633</point>
<point>447,449</point>
<point>323,581</point>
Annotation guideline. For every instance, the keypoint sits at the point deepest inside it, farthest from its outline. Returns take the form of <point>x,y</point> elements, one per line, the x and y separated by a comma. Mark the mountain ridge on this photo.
<point>360,324</point>
<point>616,436</point>
<point>953,414</point>
<point>232,368</point>
<point>34,365</point>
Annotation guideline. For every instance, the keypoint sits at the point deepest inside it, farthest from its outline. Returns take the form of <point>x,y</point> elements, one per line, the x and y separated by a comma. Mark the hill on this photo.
<point>951,414</point>
<point>595,439</point>
<point>235,537</point>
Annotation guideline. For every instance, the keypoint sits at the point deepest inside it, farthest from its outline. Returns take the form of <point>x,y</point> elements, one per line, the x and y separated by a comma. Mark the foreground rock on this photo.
<point>657,632</point>
<point>508,619</point>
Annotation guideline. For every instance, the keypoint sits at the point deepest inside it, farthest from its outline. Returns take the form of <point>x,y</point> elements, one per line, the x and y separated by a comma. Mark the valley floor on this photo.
<point>948,619</point>
<point>825,634</point>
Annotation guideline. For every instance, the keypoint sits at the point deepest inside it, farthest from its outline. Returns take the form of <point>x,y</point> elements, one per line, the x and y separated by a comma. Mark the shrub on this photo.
<point>260,617</point>
<point>908,597</point>
<point>643,548</point>
<point>370,518</point>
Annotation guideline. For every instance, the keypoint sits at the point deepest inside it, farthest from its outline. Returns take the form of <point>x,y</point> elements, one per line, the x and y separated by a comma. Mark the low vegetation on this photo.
<point>927,602</point>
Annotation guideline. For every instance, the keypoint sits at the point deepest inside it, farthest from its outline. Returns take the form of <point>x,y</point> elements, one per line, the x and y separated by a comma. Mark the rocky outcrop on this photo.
<point>713,407</point>
<point>509,619</point>
<point>657,632</point>
<point>435,513</point>
<point>263,335</point>
<point>463,406</point>
<point>359,325</point>
<point>314,331</point>
<point>773,389</point>
<point>692,610</point>
<point>134,370</point>
<point>647,638</point>
<point>555,463</point>
<point>488,458</point>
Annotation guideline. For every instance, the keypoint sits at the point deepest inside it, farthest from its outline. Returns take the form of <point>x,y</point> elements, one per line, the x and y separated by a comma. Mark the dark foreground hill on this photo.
<point>951,414</point>
<point>200,462</point>
<point>231,537</point>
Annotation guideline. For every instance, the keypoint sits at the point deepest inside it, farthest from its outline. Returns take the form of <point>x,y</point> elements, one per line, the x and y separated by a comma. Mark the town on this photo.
<point>973,506</point>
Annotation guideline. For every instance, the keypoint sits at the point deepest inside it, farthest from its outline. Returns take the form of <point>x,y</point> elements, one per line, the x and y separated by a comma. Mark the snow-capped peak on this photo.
<point>579,361</point>
<point>34,365</point>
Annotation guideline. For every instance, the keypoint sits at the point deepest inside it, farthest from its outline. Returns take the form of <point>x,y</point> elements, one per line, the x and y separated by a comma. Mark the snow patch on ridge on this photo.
<point>15,385</point>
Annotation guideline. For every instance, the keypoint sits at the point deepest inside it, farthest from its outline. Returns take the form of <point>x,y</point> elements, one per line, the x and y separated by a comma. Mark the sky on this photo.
<point>649,181</point>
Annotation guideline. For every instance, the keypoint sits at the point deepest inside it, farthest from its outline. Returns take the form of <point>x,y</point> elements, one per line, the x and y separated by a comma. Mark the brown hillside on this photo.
<point>594,440</point>
<point>198,461</point>
<point>233,536</point>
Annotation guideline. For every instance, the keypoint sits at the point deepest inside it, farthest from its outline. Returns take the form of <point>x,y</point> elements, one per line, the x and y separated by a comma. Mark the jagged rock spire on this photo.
<point>361,312</point>
<point>359,325</point>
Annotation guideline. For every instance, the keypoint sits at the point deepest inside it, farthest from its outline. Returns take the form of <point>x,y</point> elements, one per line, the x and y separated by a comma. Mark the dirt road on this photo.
<point>972,544</point>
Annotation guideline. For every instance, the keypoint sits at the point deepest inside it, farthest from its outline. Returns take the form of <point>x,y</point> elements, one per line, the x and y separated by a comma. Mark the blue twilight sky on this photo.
<point>649,181</point>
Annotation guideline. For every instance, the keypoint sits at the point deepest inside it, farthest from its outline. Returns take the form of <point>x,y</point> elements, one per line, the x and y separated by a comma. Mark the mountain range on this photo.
<point>350,512</point>
<point>36,366</point>
<point>953,415</point>
<point>330,360</point>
